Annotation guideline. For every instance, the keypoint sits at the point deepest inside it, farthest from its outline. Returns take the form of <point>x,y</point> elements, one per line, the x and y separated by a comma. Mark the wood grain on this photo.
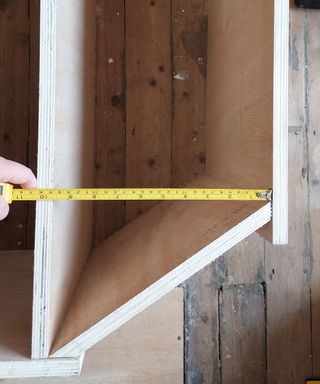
<point>189,56</point>
<point>15,323</point>
<point>14,108</point>
<point>189,50</point>
<point>148,99</point>
<point>288,280</point>
<point>74,143</point>
<point>34,16</point>
<point>148,349</point>
<point>202,360</point>
<point>110,142</point>
<point>296,64</point>
<point>242,334</point>
<point>149,248</point>
<point>240,92</point>
<point>312,29</point>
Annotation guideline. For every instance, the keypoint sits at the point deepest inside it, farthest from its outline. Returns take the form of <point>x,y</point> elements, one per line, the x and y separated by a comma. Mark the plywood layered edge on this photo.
<point>44,210</point>
<point>280,123</point>
<point>41,368</point>
<point>65,158</point>
<point>155,291</point>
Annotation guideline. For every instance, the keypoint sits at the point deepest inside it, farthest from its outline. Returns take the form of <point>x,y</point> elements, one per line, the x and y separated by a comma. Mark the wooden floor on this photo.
<point>254,315</point>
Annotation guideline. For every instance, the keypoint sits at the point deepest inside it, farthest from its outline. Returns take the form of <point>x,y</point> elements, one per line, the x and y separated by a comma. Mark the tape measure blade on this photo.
<point>91,194</point>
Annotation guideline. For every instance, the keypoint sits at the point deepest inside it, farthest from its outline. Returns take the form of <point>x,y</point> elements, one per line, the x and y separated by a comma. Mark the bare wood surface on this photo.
<point>189,50</point>
<point>148,349</point>
<point>14,108</point>
<point>202,360</point>
<point>34,26</point>
<point>288,268</point>
<point>16,304</point>
<point>242,334</point>
<point>110,145</point>
<point>240,92</point>
<point>312,39</point>
<point>288,282</point>
<point>73,149</point>
<point>148,100</point>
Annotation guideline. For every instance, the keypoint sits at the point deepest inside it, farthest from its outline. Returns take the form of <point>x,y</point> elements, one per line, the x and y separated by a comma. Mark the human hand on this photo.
<point>14,173</point>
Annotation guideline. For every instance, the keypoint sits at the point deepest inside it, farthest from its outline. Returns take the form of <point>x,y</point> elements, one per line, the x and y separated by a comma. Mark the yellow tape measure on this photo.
<point>11,194</point>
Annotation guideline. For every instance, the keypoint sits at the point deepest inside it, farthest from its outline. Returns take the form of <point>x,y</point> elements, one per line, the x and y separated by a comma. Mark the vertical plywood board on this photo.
<point>240,92</point>
<point>247,99</point>
<point>43,231</point>
<point>74,140</point>
<point>66,137</point>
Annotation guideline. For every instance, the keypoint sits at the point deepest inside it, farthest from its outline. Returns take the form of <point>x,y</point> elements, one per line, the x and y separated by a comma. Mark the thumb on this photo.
<point>4,209</point>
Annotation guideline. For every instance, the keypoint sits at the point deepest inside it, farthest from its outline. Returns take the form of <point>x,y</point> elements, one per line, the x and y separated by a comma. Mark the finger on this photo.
<point>15,173</point>
<point>4,209</point>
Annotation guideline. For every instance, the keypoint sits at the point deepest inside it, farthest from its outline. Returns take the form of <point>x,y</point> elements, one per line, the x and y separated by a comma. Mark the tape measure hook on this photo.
<point>265,195</point>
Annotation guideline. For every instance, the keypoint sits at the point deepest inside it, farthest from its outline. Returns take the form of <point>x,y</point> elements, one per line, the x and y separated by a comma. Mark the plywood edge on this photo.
<point>154,292</point>
<point>60,367</point>
<point>280,123</point>
<point>43,229</point>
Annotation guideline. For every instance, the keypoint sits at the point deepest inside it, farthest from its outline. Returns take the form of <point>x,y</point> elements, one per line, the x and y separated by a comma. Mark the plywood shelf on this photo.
<point>84,288</point>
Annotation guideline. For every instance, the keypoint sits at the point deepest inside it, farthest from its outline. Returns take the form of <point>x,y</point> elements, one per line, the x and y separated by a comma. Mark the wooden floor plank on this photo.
<point>288,268</point>
<point>202,362</point>
<point>296,62</point>
<point>110,153</point>
<point>242,334</point>
<point>243,264</point>
<point>313,142</point>
<point>189,49</point>
<point>148,98</point>
<point>288,281</point>
<point>34,30</point>
<point>14,108</point>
